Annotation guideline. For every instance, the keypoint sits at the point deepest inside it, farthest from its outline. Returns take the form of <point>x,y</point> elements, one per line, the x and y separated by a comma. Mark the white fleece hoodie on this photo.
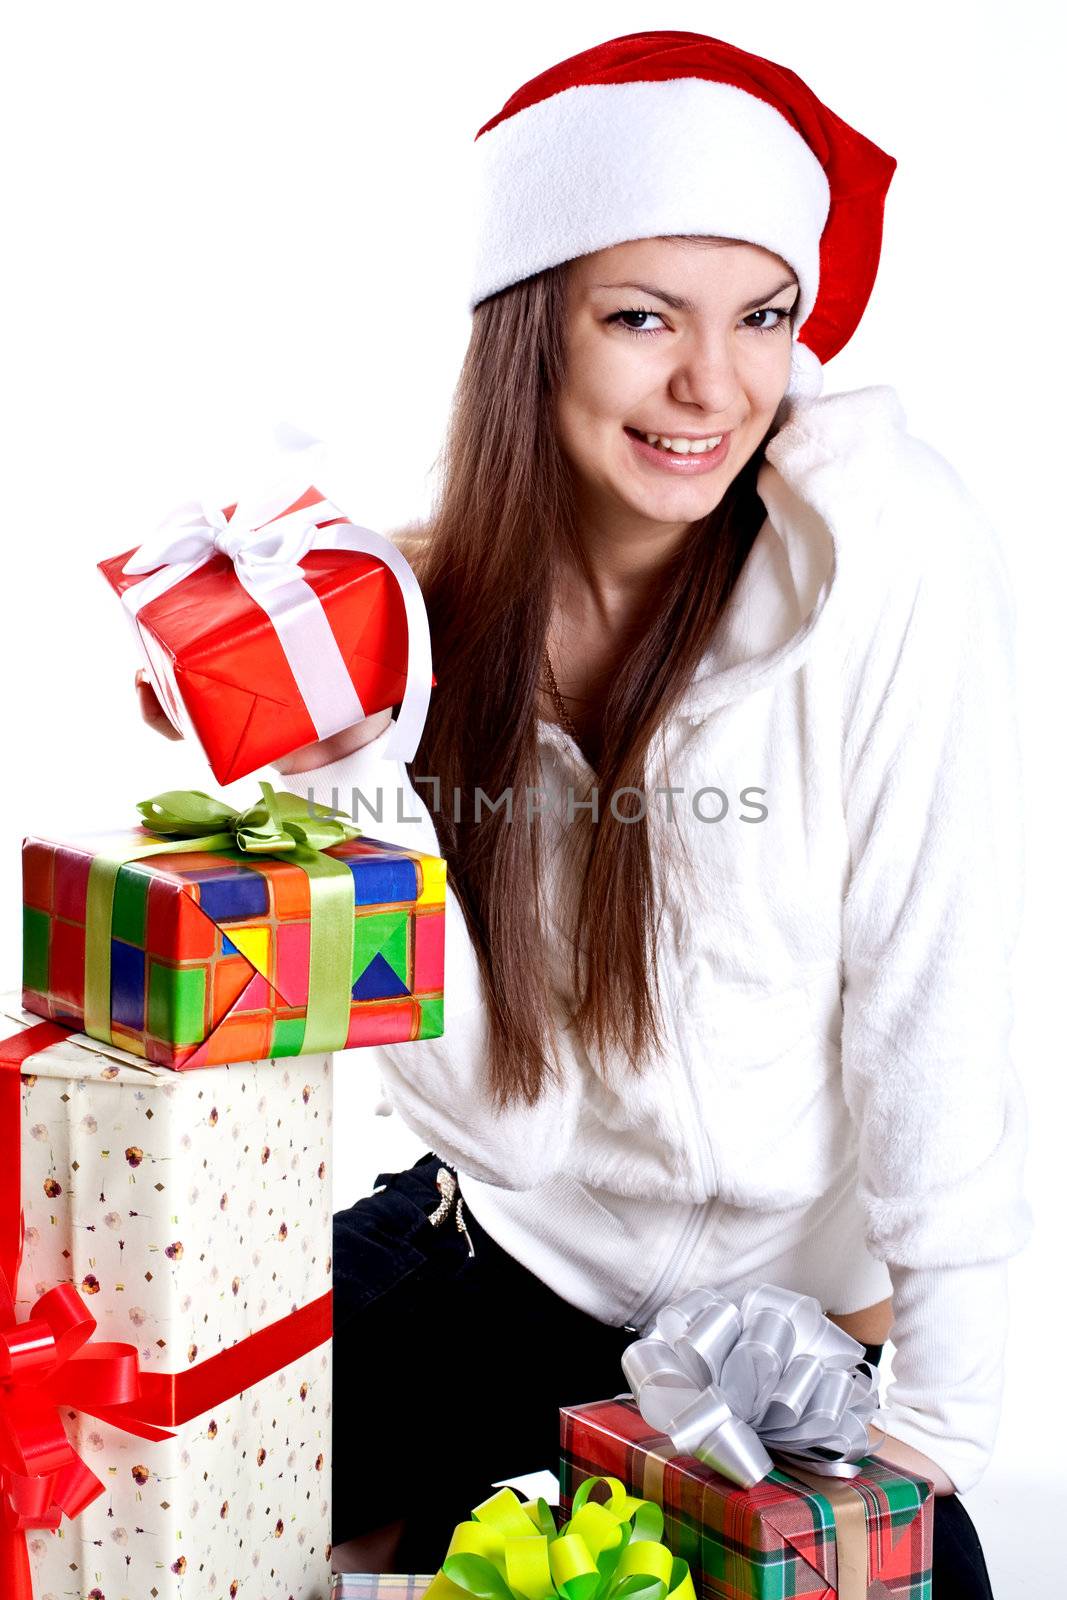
<point>836,1109</point>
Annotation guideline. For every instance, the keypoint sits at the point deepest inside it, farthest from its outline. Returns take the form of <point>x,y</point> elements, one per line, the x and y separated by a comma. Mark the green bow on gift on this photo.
<point>510,1550</point>
<point>278,824</point>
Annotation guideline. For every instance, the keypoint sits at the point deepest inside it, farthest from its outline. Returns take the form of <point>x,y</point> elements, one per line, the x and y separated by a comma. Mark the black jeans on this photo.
<point>449,1370</point>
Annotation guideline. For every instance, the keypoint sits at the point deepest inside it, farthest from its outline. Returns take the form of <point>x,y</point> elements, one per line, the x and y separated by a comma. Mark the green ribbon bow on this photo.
<point>278,824</point>
<point>510,1550</point>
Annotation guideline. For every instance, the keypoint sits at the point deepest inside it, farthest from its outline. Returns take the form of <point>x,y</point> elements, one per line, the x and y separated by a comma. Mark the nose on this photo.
<point>706,373</point>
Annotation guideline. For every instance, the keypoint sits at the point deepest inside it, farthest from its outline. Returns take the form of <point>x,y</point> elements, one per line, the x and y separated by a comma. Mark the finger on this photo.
<point>151,710</point>
<point>148,700</point>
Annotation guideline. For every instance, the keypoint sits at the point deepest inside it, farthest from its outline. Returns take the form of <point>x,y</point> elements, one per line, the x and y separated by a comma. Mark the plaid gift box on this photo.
<point>776,1541</point>
<point>210,951</point>
<point>380,1585</point>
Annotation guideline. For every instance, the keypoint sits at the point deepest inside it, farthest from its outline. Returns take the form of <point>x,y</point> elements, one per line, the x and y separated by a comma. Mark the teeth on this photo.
<point>684,447</point>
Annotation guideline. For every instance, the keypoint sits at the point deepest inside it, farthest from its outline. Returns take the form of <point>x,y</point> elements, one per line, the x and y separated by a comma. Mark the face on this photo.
<point>685,340</point>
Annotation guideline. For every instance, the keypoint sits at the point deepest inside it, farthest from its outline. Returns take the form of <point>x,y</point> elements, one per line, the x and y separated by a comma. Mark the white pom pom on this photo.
<point>805,372</point>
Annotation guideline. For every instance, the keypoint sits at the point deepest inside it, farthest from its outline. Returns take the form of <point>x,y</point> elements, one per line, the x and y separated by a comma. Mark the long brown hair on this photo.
<point>505,514</point>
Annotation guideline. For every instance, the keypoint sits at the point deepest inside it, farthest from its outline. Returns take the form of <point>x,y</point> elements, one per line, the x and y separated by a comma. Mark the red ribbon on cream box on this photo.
<point>196,1207</point>
<point>274,622</point>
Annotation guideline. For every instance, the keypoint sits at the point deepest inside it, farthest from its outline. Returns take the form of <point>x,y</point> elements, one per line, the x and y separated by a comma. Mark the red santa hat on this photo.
<point>672,133</point>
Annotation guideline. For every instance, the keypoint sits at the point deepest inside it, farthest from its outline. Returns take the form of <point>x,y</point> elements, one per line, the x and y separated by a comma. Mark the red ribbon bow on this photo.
<point>46,1362</point>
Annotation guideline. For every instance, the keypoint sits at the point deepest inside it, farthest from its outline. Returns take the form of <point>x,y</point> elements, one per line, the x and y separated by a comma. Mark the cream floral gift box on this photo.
<point>191,1213</point>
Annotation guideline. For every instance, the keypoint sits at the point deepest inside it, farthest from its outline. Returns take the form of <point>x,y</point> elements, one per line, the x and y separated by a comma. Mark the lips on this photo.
<point>694,442</point>
<point>666,461</point>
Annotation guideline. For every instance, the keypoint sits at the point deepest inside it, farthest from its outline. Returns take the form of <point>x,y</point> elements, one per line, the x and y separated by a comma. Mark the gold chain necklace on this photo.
<point>557,699</point>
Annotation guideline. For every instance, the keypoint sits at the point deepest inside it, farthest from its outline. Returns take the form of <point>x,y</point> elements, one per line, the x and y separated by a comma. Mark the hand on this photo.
<point>337,746</point>
<point>899,1454</point>
<point>151,710</point>
<point>309,756</point>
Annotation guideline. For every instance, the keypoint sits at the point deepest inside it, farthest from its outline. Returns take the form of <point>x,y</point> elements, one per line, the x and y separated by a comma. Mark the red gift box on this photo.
<point>267,630</point>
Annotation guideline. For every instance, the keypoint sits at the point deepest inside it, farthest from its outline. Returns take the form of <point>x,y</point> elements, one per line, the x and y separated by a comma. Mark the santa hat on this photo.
<point>673,133</point>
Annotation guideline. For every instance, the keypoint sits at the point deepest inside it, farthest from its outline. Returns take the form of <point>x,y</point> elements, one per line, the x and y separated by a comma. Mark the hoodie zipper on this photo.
<point>691,1234</point>
<point>685,1247</point>
<point>664,1286</point>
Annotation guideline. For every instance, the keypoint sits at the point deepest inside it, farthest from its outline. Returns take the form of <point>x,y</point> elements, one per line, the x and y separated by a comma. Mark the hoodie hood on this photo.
<point>823,482</point>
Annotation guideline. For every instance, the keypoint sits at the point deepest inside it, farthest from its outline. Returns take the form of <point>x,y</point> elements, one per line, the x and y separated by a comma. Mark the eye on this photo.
<point>617,316</point>
<point>783,315</point>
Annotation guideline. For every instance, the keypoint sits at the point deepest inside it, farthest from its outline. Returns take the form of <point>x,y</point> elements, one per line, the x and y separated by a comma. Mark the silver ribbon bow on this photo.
<point>728,1384</point>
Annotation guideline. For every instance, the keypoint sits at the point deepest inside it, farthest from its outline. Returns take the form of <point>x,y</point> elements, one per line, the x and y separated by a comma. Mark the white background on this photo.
<point>219,215</point>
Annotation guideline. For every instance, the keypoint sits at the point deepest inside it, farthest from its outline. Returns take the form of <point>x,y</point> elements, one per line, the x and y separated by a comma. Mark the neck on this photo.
<point>622,563</point>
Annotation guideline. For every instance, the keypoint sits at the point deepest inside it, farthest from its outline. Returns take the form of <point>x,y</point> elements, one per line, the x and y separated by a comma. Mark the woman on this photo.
<point>746,1020</point>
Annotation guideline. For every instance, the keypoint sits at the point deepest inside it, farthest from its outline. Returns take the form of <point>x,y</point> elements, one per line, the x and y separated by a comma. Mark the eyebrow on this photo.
<point>678,302</point>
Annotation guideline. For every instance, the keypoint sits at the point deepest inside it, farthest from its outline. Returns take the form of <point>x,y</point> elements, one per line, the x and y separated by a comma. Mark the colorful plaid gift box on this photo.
<point>210,952</point>
<point>380,1585</point>
<point>776,1541</point>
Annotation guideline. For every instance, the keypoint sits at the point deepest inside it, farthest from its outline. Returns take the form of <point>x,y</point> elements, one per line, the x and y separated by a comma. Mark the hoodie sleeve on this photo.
<point>440,1087</point>
<point>930,921</point>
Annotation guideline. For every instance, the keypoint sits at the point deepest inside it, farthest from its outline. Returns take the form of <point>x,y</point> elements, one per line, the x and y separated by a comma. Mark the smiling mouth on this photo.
<point>677,445</point>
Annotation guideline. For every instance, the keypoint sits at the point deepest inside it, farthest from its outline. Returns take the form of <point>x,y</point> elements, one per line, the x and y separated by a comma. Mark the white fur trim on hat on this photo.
<point>805,372</point>
<point>600,164</point>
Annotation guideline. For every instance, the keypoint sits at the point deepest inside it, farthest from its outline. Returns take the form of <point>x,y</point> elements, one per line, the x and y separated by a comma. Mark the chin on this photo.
<point>673,509</point>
